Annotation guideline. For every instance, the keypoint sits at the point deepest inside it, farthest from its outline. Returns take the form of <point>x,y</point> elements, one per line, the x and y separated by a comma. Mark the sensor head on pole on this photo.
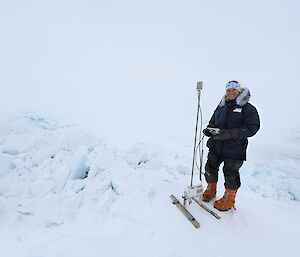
<point>199,85</point>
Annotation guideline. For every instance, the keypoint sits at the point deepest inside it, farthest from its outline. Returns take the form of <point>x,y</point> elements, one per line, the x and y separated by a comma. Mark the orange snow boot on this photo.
<point>227,201</point>
<point>210,192</point>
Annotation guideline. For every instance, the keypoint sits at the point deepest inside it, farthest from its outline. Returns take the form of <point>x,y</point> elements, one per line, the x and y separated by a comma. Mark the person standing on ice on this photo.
<point>237,120</point>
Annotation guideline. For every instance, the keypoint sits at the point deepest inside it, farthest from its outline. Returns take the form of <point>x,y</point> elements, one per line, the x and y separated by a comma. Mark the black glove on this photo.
<point>206,132</point>
<point>228,134</point>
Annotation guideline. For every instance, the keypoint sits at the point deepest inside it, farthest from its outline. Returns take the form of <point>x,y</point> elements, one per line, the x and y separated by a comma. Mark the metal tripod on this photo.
<point>196,191</point>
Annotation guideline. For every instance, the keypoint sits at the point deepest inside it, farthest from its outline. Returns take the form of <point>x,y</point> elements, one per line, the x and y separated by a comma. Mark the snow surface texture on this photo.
<point>101,188</point>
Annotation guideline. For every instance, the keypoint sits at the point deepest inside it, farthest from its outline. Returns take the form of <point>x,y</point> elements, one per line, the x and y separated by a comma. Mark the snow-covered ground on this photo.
<point>99,186</point>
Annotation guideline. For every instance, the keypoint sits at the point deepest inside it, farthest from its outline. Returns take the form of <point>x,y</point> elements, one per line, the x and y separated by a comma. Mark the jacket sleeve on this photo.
<point>251,123</point>
<point>212,122</point>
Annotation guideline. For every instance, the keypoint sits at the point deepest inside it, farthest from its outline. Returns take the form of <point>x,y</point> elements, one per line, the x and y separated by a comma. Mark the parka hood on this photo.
<point>241,100</point>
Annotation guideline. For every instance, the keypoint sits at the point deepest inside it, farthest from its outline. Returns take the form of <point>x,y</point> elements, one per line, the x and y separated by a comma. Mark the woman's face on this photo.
<point>232,93</point>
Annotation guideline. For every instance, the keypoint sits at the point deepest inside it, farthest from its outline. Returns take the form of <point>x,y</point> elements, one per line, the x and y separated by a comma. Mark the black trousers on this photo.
<point>230,170</point>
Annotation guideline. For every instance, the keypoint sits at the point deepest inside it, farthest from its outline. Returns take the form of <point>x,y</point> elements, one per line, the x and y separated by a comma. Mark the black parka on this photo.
<point>237,113</point>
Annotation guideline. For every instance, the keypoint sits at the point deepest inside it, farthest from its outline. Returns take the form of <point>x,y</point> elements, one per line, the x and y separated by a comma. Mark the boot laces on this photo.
<point>227,199</point>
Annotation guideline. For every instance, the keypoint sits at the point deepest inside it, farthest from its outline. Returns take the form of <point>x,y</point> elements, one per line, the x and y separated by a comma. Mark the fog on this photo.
<point>145,57</point>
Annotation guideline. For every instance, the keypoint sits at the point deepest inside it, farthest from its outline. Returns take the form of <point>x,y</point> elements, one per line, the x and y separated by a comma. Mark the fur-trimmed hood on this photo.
<point>241,100</point>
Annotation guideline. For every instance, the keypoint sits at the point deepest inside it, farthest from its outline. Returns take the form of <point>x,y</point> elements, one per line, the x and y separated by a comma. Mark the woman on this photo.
<point>237,120</point>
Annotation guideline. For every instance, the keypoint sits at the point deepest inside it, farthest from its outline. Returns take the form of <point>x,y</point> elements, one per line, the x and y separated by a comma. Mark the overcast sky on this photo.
<point>134,57</point>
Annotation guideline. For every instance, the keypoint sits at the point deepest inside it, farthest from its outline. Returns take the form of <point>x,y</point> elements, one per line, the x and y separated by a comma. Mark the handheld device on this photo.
<point>214,131</point>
